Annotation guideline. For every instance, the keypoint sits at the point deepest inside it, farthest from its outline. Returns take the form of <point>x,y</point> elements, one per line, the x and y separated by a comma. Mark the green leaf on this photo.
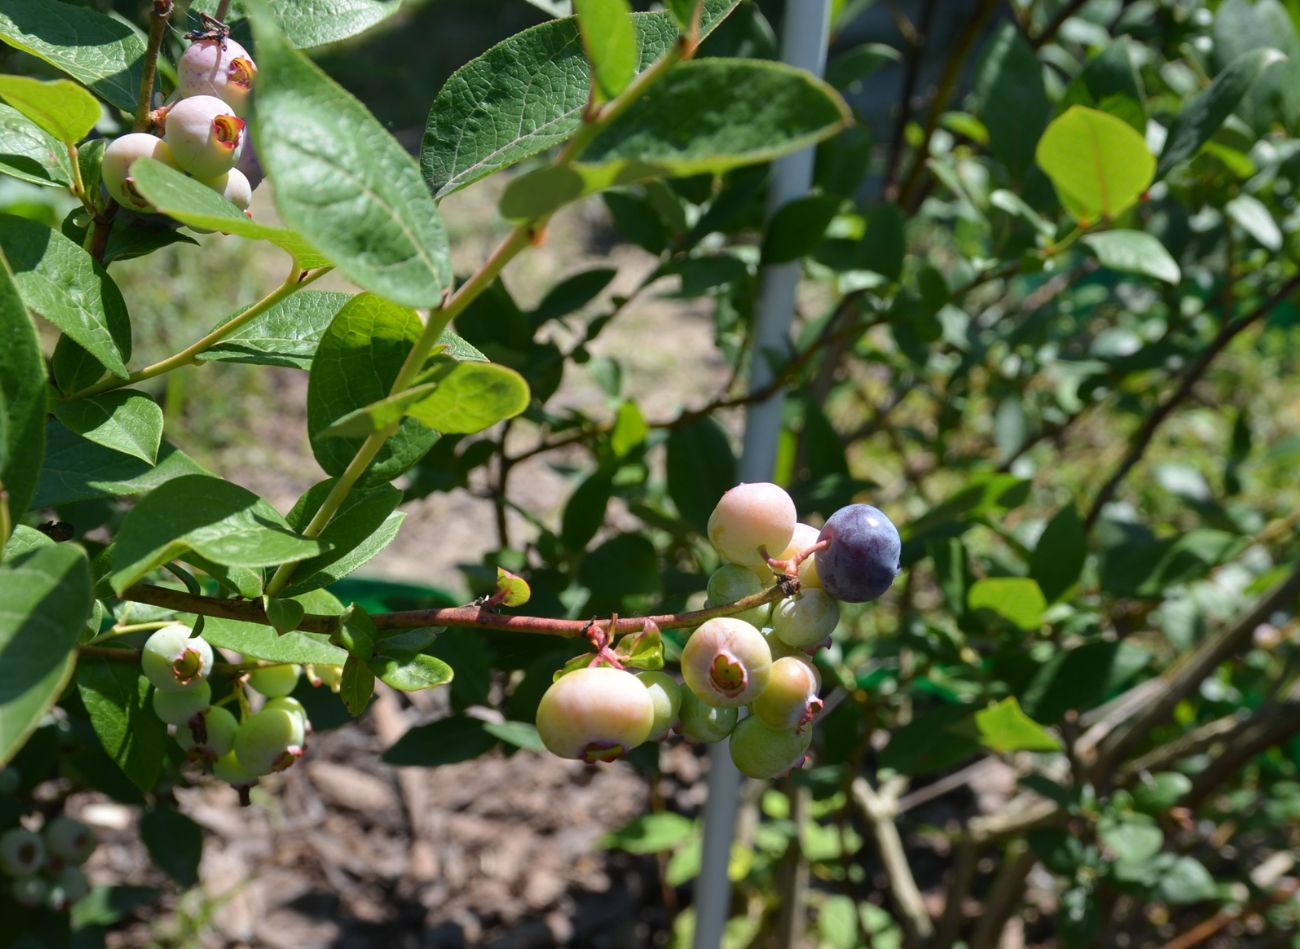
<point>1081,677</point>
<point>677,130</point>
<point>116,697</point>
<point>123,420</point>
<point>285,615</point>
<point>643,650</point>
<point>255,641</point>
<point>1134,252</point>
<point>78,470</point>
<point>219,521</point>
<point>355,365</point>
<point>798,227</point>
<point>629,431</point>
<point>651,833</point>
<point>610,41</point>
<point>1058,557</point>
<point>174,842</point>
<point>584,512</point>
<point>316,23</point>
<point>29,153</point>
<point>411,674</point>
<point>524,95</point>
<point>22,398</point>
<point>99,51</point>
<point>177,195</point>
<point>357,685</point>
<point>936,739</point>
<point>62,108</point>
<point>46,597</point>
<point>365,524</point>
<point>1244,25</point>
<point>626,565</point>
<point>1018,600</point>
<point>285,335</point>
<point>1098,163</point>
<point>1184,879</point>
<point>520,734</point>
<point>445,741</point>
<point>1250,214</point>
<point>1156,793</point>
<point>60,282</point>
<point>1004,728</point>
<point>1012,99</point>
<point>512,589</point>
<point>701,468</point>
<point>1109,82</point>
<point>342,178</point>
<point>469,396</point>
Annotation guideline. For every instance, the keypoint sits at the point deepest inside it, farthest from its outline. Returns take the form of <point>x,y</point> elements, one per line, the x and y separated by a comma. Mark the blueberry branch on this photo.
<point>162,11</point>
<point>250,611</point>
<point>296,280</point>
<point>524,234</point>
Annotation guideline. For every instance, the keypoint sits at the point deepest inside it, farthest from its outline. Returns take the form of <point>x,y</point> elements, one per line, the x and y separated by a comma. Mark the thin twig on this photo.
<point>878,812</point>
<point>251,611</point>
<point>916,39</point>
<point>1054,26</point>
<point>162,11</point>
<point>1005,894</point>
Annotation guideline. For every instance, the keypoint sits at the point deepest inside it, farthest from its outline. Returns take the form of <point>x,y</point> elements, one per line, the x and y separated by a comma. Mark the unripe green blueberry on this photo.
<point>228,768</point>
<point>270,740</point>
<point>763,752</point>
<point>67,888</point>
<point>274,681</point>
<point>205,136</point>
<point>177,708</point>
<point>329,676</point>
<point>209,735</point>
<point>69,839</point>
<point>732,582</point>
<point>666,695</point>
<point>119,155</point>
<point>22,852</point>
<point>804,537</point>
<point>790,699</point>
<point>779,646</point>
<point>703,723</point>
<point>726,662</point>
<point>748,517</point>
<point>807,620</point>
<point>595,714</point>
<point>29,891</point>
<point>220,68</point>
<point>174,661</point>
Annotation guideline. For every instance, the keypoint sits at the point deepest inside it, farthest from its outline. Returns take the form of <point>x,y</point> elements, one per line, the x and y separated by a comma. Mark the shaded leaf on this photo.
<point>22,398</point>
<point>123,420</point>
<point>1134,252</point>
<point>445,741</point>
<point>174,842</point>
<point>116,697</point>
<point>285,335</point>
<point>78,470</point>
<point>29,153</point>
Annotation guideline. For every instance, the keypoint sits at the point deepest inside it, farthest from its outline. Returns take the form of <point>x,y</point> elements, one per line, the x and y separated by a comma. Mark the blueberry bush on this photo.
<point>1032,519</point>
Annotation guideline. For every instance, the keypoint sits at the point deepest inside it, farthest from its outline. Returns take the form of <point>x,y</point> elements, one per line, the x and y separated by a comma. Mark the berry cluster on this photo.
<point>758,658</point>
<point>44,867</point>
<point>238,752</point>
<point>205,130</point>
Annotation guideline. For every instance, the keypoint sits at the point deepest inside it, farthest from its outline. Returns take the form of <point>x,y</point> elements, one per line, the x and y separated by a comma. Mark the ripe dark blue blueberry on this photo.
<point>863,556</point>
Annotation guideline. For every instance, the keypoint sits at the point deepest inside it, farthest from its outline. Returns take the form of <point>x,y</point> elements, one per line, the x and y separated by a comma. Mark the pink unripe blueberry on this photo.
<point>174,661</point>
<point>666,695</point>
<point>595,714</point>
<point>790,699</point>
<point>806,620</point>
<point>69,839</point>
<point>22,852</point>
<point>205,136</point>
<point>208,69</point>
<point>234,187</point>
<point>748,517</point>
<point>270,740</point>
<point>274,681</point>
<point>208,735</point>
<point>763,752</point>
<point>177,708</point>
<point>115,170</point>
<point>732,582</point>
<point>805,536</point>
<point>726,662</point>
<point>703,723</point>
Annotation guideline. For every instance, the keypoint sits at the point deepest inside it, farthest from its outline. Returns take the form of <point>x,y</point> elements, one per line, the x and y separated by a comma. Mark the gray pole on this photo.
<point>804,38</point>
